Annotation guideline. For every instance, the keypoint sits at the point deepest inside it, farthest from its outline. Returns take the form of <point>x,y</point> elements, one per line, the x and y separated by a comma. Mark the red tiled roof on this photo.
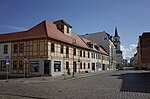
<point>36,32</point>
<point>43,30</point>
<point>53,32</point>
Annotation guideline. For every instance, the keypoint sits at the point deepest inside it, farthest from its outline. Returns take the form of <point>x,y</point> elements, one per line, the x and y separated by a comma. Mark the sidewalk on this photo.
<point>56,78</point>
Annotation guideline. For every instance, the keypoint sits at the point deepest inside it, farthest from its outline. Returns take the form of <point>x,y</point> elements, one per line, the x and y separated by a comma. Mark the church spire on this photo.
<point>116,33</point>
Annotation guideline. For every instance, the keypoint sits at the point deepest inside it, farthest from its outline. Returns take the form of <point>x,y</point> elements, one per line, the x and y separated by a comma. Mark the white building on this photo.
<point>105,40</point>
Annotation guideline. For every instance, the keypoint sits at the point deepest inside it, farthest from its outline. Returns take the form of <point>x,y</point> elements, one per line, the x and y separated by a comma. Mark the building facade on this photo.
<point>143,51</point>
<point>106,41</point>
<point>49,48</point>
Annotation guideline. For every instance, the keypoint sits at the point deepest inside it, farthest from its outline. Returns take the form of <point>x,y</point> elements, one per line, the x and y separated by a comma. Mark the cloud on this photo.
<point>128,51</point>
<point>16,28</point>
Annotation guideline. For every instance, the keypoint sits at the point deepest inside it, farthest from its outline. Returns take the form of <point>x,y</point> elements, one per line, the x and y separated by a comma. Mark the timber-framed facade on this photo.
<point>47,49</point>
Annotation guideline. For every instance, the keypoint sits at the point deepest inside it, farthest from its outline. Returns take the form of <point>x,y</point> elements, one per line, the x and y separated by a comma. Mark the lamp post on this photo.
<point>73,43</point>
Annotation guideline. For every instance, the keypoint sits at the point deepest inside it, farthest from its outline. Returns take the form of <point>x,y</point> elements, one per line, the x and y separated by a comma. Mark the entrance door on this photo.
<point>93,66</point>
<point>103,67</point>
<point>46,67</point>
<point>74,66</point>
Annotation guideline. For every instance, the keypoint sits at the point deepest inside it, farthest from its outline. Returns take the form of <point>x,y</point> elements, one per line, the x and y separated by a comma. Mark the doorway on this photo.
<point>93,66</point>
<point>47,67</point>
<point>74,66</point>
<point>103,67</point>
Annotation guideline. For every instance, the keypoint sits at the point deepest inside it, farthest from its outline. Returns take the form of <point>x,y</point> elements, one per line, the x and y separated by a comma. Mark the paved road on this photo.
<point>125,84</point>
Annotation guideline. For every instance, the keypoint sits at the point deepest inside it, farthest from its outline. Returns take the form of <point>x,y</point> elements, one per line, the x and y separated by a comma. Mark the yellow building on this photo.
<point>46,49</point>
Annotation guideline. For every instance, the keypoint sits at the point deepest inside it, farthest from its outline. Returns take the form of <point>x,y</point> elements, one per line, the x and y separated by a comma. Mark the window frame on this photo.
<point>5,49</point>
<point>61,49</point>
<point>15,50</point>
<point>21,48</point>
<point>52,47</point>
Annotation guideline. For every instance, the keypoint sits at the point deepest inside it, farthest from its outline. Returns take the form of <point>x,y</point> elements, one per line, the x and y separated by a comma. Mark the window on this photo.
<point>88,65</point>
<point>94,55</point>
<point>67,65</point>
<point>3,65</point>
<point>21,48</point>
<point>62,49</point>
<point>67,29</point>
<point>74,51</point>
<point>62,27</point>
<point>80,53</point>
<point>52,47</point>
<point>5,49</point>
<point>57,66</point>
<point>116,46</point>
<point>105,38</point>
<point>84,54</point>
<point>20,65</point>
<point>34,66</point>
<point>84,65</point>
<point>15,65</point>
<point>15,48</point>
<point>67,50</point>
<point>80,65</point>
<point>88,54</point>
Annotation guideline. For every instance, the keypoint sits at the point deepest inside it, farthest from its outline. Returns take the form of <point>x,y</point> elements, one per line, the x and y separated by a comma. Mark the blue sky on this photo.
<point>131,17</point>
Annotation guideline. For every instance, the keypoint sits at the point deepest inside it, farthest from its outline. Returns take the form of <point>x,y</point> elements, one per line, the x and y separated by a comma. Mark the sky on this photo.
<point>131,17</point>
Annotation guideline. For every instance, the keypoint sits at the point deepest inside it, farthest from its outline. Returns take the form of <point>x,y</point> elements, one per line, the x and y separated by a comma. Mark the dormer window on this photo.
<point>105,38</point>
<point>67,29</point>
<point>63,26</point>
<point>90,44</point>
<point>96,47</point>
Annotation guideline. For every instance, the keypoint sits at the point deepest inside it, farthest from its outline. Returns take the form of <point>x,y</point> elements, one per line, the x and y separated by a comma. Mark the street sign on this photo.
<point>7,62</point>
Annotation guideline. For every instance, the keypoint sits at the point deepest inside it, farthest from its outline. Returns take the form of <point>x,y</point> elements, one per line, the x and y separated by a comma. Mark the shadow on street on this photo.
<point>135,82</point>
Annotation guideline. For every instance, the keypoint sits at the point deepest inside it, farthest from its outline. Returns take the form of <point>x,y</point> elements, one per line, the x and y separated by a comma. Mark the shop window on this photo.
<point>34,66</point>
<point>5,49</point>
<point>20,65</point>
<point>3,65</point>
<point>57,66</point>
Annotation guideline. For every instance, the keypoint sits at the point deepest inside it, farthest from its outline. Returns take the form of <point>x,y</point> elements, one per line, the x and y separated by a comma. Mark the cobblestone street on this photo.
<point>124,84</point>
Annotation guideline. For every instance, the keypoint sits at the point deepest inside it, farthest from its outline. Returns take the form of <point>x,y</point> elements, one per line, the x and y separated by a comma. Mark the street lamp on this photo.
<point>73,43</point>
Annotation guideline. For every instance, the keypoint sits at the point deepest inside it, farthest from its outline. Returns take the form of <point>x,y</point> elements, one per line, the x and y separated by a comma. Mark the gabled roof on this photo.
<point>43,30</point>
<point>38,31</point>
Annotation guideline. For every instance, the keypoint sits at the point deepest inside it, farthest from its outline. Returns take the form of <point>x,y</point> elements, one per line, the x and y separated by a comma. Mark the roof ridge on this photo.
<point>94,33</point>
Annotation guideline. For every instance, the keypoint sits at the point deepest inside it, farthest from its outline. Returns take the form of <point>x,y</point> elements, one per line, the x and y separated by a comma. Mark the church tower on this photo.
<point>116,40</point>
<point>117,43</point>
